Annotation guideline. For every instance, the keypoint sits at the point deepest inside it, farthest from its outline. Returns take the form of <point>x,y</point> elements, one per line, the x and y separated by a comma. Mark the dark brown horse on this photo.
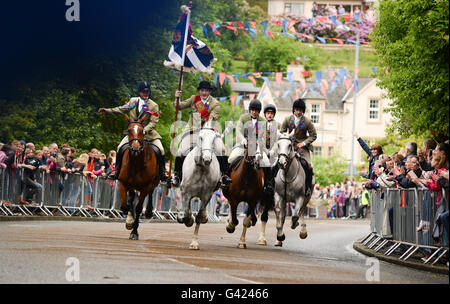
<point>246,186</point>
<point>139,172</point>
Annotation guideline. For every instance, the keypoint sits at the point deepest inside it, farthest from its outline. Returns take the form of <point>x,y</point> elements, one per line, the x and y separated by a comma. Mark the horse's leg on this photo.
<point>123,199</point>
<point>246,224</point>
<point>280,208</point>
<point>149,208</point>
<point>201,218</point>
<point>298,207</point>
<point>232,217</point>
<point>264,218</point>
<point>130,218</point>
<point>137,213</point>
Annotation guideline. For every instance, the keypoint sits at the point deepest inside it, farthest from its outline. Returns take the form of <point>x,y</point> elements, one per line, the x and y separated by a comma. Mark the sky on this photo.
<point>35,35</point>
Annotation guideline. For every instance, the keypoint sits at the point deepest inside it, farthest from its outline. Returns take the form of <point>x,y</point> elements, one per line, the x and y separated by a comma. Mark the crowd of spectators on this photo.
<point>51,158</point>
<point>423,167</point>
<point>333,10</point>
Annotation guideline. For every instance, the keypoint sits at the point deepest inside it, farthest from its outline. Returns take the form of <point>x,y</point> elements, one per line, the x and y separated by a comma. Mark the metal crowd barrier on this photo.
<point>76,195</point>
<point>395,216</point>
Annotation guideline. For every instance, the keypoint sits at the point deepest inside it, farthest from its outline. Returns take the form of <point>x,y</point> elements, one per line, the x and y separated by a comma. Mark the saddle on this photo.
<point>234,164</point>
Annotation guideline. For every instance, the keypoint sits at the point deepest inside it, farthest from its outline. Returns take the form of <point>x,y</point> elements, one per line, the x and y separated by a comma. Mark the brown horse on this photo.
<point>139,172</point>
<point>246,186</point>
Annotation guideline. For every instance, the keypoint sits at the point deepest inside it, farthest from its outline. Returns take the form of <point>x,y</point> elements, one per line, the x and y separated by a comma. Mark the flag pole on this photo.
<point>180,83</point>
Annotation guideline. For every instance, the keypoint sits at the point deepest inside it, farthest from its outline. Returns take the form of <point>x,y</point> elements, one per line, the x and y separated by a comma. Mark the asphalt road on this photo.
<point>44,252</point>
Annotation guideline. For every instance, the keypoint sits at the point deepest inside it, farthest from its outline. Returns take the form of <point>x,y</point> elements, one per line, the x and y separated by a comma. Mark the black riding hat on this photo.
<point>255,104</point>
<point>205,85</point>
<point>270,108</point>
<point>299,104</point>
<point>144,86</point>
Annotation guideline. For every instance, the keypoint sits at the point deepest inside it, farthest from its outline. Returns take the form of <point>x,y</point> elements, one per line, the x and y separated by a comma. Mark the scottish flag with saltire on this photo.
<point>197,56</point>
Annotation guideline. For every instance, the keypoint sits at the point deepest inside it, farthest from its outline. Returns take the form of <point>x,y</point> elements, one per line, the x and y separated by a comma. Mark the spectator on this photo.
<point>438,163</point>
<point>410,149</point>
<point>365,202</point>
<point>386,179</point>
<point>425,154</point>
<point>412,170</point>
<point>373,152</point>
<point>341,10</point>
<point>30,166</point>
<point>314,10</point>
<point>45,155</point>
<point>4,155</point>
<point>104,165</point>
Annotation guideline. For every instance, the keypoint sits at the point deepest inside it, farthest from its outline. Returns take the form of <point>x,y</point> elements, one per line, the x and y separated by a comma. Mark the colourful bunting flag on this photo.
<point>253,80</point>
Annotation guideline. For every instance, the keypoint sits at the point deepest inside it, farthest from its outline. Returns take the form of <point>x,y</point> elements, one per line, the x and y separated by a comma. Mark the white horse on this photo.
<point>201,174</point>
<point>289,187</point>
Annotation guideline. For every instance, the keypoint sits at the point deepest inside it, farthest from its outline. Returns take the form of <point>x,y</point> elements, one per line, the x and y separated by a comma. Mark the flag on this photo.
<point>222,76</point>
<point>374,70</point>
<point>342,73</point>
<point>252,80</point>
<point>264,24</point>
<point>286,94</point>
<point>238,99</point>
<point>233,100</point>
<point>198,57</point>
<point>279,78</point>
<point>291,81</point>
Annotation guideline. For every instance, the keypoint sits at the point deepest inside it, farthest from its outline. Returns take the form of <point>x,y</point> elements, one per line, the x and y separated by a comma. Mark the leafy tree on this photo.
<point>411,40</point>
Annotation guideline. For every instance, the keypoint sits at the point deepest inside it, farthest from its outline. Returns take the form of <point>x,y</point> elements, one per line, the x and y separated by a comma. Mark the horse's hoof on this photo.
<point>303,235</point>
<point>129,226</point>
<point>134,236</point>
<point>189,222</point>
<point>230,229</point>
<point>148,215</point>
<point>279,244</point>
<point>194,247</point>
<point>204,220</point>
<point>242,246</point>
<point>180,220</point>
<point>281,237</point>
<point>262,242</point>
<point>294,225</point>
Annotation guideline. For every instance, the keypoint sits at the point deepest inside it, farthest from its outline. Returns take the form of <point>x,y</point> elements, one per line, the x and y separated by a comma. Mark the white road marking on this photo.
<point>191,265</point>
<point>245,280</point>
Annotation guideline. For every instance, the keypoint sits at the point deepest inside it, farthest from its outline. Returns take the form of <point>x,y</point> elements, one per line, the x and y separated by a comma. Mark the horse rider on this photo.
<point>136,107</point>
<point>204,108</point>
<point>272,128</point>
<point>305,134</point>
<point>250,129</point>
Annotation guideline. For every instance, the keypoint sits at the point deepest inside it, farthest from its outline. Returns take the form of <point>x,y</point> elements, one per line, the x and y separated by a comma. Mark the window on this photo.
<point>374,110</point>
<point>296,8</point>
<point>330,151</point>
<point>317,151</point>
<point>315,114</point>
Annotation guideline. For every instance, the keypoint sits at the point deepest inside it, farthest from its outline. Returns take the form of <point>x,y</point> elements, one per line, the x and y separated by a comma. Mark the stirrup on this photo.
<point>225,180</point>
<point>176,181</point>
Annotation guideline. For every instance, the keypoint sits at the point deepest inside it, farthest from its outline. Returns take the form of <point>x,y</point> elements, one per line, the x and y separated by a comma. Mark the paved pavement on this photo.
<point>41,252</point>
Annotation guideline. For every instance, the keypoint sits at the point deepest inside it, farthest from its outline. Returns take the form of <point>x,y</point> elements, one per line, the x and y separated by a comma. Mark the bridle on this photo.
<point>288,159</point>
<point>140,141</point>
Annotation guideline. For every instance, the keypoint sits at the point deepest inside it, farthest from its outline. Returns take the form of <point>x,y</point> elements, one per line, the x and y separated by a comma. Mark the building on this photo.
<point>304,7</point>
<point>332,115</point>
<point>247,90</point>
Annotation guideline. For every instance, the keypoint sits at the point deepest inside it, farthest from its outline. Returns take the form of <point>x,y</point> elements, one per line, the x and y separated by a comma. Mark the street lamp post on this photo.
<point>355,91</point>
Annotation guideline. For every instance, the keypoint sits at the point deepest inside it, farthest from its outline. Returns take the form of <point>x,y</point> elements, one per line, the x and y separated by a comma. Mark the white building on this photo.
<point>332,115</point>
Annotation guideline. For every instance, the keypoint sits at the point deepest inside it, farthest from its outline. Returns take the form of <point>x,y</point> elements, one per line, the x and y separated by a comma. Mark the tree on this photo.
<point>411,39</point>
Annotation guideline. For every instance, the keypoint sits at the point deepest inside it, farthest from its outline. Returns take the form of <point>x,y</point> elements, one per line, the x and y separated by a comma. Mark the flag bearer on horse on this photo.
<point>136,108</point>
<point>250,129</point>
<point>272,128</point>
<point>204,108</point>
<point>305,134</point>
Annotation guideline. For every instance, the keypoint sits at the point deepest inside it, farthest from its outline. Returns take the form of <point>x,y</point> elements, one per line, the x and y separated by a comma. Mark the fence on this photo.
<point>73,194</point>
<point>396,215</point>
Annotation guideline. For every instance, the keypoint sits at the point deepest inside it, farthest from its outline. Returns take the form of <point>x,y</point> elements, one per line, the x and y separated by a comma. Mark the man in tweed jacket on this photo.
<point>135,109</point>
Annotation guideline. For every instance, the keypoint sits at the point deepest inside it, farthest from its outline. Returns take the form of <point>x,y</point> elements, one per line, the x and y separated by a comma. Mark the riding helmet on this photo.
<point>299,104</point>
<point>270,108</point>
<point>255,104</point>
<point>204,85</point>
<point>144,86</point>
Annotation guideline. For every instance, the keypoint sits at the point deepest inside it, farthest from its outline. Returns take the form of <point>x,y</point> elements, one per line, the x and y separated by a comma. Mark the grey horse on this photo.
<point>289,187</point>
<point>201,174</point>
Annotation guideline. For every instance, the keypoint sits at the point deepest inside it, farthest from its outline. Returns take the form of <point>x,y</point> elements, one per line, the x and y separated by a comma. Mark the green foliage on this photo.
<point>329,170</point>
<point>411,40</point>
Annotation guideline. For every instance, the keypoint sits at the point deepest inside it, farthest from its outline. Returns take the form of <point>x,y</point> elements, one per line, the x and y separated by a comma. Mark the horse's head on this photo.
<point>205,146</point>
<point>136,135</point>
<point>285,149</point>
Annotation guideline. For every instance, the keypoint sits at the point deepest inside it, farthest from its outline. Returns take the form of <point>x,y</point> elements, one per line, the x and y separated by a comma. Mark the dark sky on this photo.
<point>35,34</point>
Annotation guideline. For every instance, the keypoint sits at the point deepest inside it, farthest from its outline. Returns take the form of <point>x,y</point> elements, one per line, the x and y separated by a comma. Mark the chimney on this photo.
<point>296,70</point>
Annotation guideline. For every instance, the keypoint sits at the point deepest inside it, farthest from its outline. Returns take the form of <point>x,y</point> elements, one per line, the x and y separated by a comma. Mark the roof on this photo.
<point>245,87</point>
<point>333,99</point>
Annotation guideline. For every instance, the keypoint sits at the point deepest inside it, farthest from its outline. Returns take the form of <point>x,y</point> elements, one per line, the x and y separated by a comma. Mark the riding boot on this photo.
<point>308,176</point>
<point>309,179</point>
<point>178,171</point>
<point>223,163</point>
<point>162,168</point>
<point>119,156</point>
